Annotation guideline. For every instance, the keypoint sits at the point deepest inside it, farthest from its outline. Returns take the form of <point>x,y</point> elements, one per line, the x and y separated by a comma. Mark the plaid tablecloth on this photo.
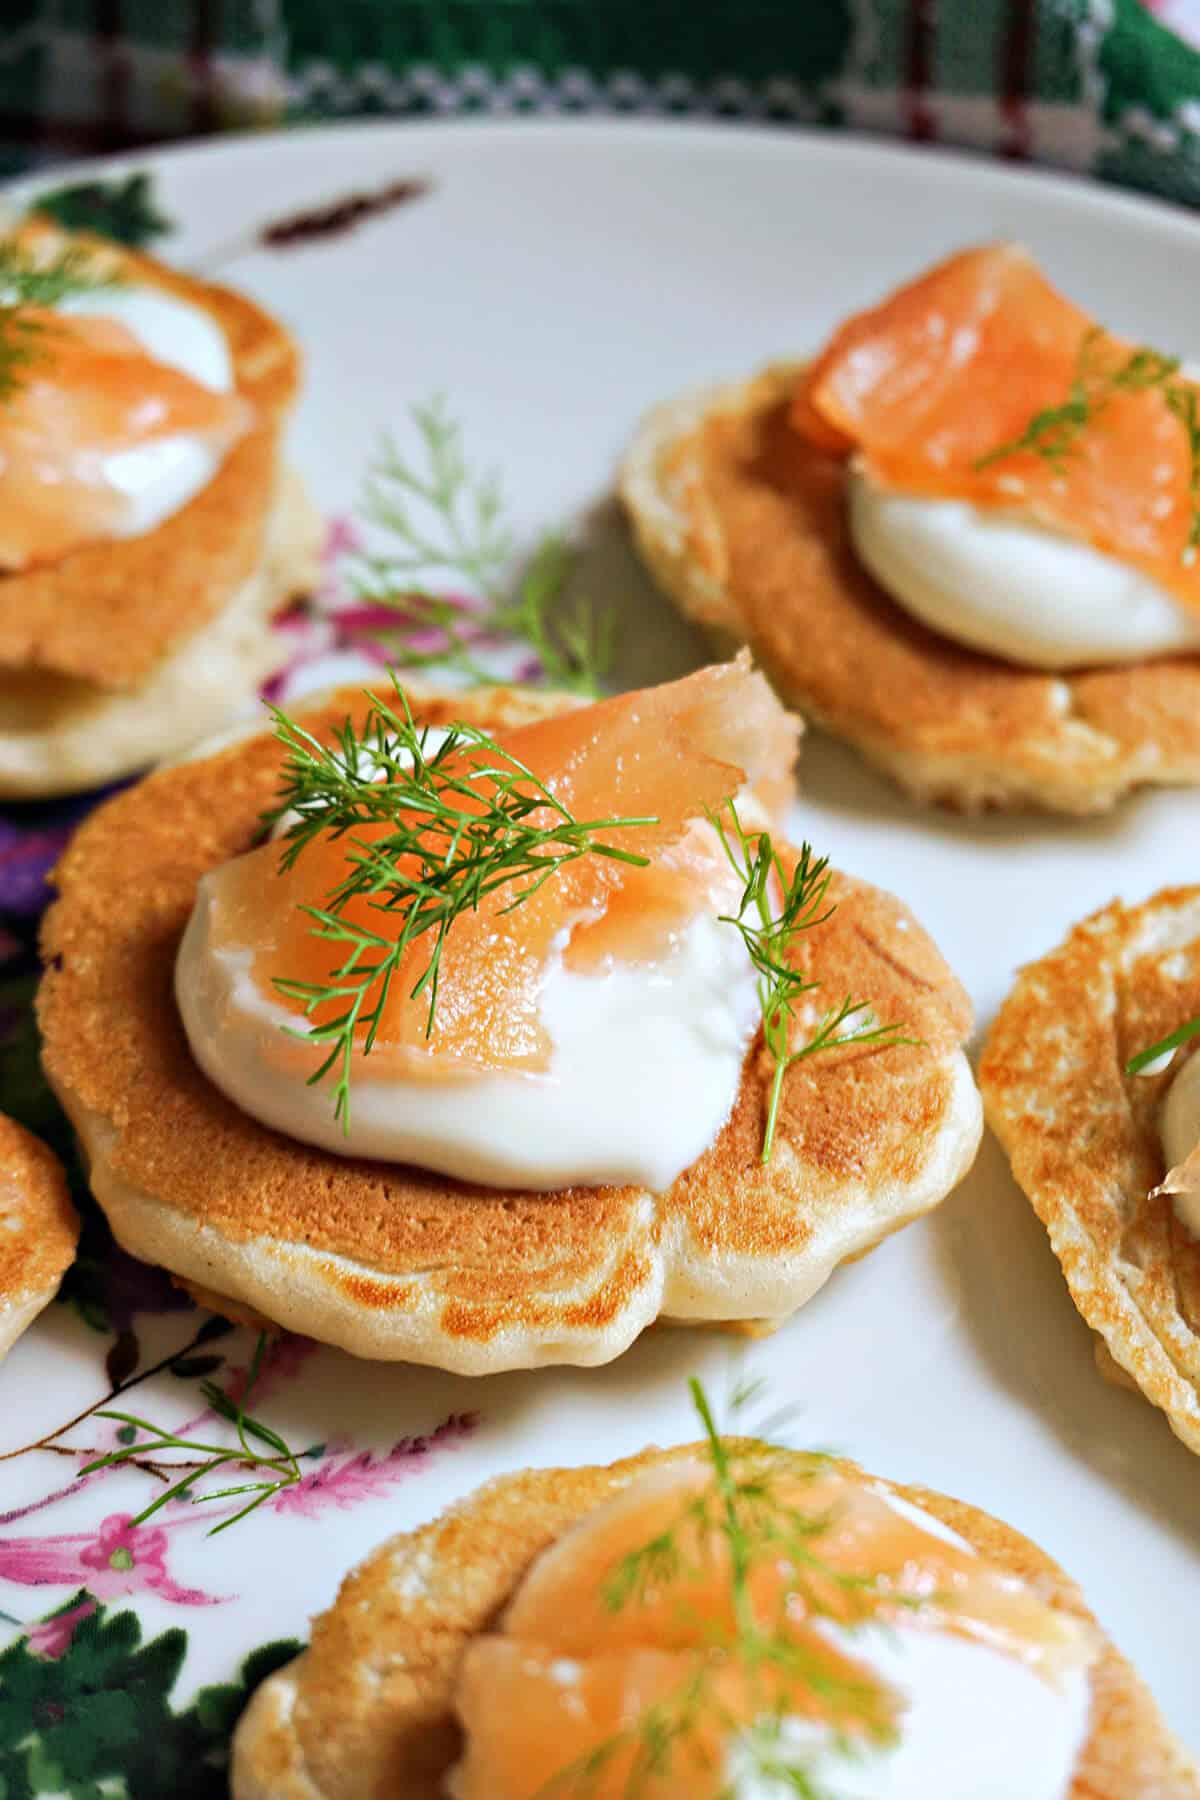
<point>1109,87</point>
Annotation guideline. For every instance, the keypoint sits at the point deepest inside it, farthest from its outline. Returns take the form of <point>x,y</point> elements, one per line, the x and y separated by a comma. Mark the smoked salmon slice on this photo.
<point>668,753</point>
<point>89,392</point>
<point>588,1662</point>
<point>934,389</point>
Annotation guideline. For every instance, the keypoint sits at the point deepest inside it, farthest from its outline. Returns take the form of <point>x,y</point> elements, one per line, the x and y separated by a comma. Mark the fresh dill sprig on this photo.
<point>278,1466</point>
<point>448,522</point>
<point>573,645</point>
<point>28,283</point>
<point>741,1507</point>
<point>1053,434</point>
<point>1138,1065</point>
<point>776,907</point>
<point>451,824</point>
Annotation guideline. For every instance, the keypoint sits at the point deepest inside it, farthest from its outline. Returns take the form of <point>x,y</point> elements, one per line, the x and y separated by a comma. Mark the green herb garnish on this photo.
<point>28,282</point>
<point>278,1466</point>
<point>449,526</point>
<point>775,909</point>
<point>459,822</point>
<point>1053,434</point>
<point>1137,1065</point>
<point>743,1509</point>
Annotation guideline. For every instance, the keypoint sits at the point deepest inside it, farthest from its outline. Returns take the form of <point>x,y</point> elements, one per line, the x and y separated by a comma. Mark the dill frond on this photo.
<point>28,283</point>
<point>277,1466</point>
<point>448,525</point>
<point>451,825</point>
<point>775,908</point>
<point>742,1509</point>
<point>1054,433</point>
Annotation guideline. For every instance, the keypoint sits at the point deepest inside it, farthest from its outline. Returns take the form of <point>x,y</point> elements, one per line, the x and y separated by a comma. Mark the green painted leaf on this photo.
<point>189,1367</point>
<point>212,1329</point>
<point>24,1091</point>
<point>217,1708</point>
<point>98,1721</point>
<point>266,1659</point>
<point>125,210</point>
<point>91,1312</point>
<point>123,1357</point>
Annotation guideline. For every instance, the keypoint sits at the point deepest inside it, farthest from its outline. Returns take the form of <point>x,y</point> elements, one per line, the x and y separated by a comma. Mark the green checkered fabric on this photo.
<point>1108,87</point>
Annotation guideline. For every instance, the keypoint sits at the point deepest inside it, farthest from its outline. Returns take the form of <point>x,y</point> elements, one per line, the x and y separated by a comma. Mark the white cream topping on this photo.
<point>646,1063</point>
<point>977,1723</point>
<point>1009,588</point>
<point>1179,1124</point>
<point>158,478</point>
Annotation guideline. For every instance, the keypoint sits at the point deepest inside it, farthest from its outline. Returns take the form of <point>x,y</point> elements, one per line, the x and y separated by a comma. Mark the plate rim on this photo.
<point>945,165</point>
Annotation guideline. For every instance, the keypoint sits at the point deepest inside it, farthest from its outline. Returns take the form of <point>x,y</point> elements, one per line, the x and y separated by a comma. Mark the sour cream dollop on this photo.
<point>646,1064</point>
<point>592,1018</point>
<point>647,1060</point>
<point>976,1722</point>
<point>1006,587</point>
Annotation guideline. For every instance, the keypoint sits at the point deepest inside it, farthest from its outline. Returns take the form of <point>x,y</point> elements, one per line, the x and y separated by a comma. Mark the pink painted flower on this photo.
<point>120,1558</point>
<point>300,621</point>
<point>54,1636</point>
<point>344,1477</point>
<point>284,1358</point>
<point>342,538</point>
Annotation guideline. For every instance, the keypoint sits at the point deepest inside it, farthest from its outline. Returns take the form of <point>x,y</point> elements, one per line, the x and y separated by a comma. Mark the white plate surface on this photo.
<point>556,281</point>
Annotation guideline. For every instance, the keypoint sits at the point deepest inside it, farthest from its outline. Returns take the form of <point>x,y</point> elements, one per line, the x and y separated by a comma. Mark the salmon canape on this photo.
<point>1091,1080</point>
<point>39,1229</point>
<point>726,1619</point>
<point>148,528</point>
<point>522,1027</point>
<point>964,538</point>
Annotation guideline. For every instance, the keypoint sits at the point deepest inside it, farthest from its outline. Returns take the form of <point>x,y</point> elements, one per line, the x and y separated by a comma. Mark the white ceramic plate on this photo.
<point>555,281</point>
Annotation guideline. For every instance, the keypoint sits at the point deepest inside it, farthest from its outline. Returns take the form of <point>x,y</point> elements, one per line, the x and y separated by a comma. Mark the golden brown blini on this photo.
<point>743,524</point>
<point>123,651</point>
<point>366,1712</point>
<point>39,1229</point>
<point>1083,1136</point>
<point>397,1263</point>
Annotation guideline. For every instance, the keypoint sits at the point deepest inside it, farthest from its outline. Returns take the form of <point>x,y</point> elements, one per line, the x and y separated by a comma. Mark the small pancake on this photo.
<point>59,735</point>
<point>744,526</point>
<point>108,613</point>
<point>39,1229</point>
<point>1083,1136</point>
<point>397,1263</point>
<point>365,1713</point>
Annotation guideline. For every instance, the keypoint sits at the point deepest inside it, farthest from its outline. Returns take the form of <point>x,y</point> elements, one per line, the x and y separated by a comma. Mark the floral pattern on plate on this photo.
<point>85,1689</point>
